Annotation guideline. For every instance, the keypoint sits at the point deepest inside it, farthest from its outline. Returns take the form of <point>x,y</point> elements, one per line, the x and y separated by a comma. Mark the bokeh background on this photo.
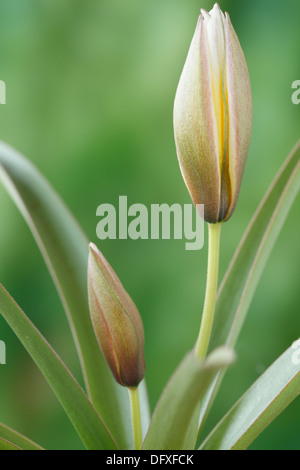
<point>90,90</point>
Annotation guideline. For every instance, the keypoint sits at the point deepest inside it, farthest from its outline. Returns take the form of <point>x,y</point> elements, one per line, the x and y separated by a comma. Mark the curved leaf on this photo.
<point>275,389</point>
<point>79,409</point>
<point>17,439</point>
<point>6,445</point>
<point>65,250</point>
<point>170,425</point>
<point>240,281</point>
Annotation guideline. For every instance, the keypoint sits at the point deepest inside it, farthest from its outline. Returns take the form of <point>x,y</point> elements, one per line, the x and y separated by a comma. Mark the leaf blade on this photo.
<point>170,424</point>
<point>17,439</point>
<point>258,234</point>
<point>79,409</point>
<point>238,286</point>
<point>64,248</point>
<point>274,390</point>
<point>6,445</point>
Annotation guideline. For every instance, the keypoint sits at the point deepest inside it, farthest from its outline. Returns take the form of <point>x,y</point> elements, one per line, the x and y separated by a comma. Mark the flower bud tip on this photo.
<point>117,324</point>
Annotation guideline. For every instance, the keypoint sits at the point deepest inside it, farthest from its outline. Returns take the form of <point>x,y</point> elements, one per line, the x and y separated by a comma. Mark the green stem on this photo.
<point>214,232</point>
<point>136,417</point>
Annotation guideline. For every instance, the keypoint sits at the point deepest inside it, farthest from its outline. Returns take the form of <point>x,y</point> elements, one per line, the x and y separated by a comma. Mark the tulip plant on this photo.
<point>212,124</point>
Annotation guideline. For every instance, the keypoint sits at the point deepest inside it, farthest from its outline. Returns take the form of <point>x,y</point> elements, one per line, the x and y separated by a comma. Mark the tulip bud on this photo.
<point>213,116</point>
<point>116,320</point>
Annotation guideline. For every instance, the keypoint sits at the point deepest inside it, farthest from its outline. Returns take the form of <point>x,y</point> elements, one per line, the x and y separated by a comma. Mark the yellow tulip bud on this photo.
<point>213,116</point>
<point>116,321</point>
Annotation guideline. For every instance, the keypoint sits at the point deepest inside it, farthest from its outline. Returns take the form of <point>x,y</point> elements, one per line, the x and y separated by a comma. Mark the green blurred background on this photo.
<point>90,90</point>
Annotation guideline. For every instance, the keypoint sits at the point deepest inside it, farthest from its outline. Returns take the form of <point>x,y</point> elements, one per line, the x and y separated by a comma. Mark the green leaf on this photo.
<point>242,277</point>
<point>65,250</point>
<point>6,445</point>
<point>79,409</point>
<point>17,439</point>
<point>170,424</point>
<point>259,406</point>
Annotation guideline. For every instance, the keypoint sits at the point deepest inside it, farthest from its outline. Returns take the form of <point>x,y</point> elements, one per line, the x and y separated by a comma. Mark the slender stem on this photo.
<point>136,417</point>
<point>214,232</point>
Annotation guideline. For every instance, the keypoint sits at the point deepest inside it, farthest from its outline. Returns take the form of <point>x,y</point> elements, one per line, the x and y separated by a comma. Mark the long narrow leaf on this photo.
<point>175,410</point>
<point>17,439</point>
<point>240,281</point>
<point>79,409</point>
<point>6,445</point>
<point>65,250</point>
<point>259,406</point>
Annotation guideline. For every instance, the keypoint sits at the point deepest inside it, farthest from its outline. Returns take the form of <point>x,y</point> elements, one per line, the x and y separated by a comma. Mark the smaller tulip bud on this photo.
<point>116,321</point>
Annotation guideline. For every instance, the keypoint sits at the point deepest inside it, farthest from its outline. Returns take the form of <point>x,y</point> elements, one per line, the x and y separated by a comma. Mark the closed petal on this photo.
<point>216,43</point>
<point>195,126</point>
<point>205,15</point>
<point>239,112</point>
<point>116,320</point>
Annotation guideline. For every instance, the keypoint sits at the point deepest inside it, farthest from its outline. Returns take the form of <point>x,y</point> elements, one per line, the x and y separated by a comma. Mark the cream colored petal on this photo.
<point>216,41</point>
<point>195,127</point>
<point>206,15</point>
<point>240,111</point>
<point>216,37</point>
